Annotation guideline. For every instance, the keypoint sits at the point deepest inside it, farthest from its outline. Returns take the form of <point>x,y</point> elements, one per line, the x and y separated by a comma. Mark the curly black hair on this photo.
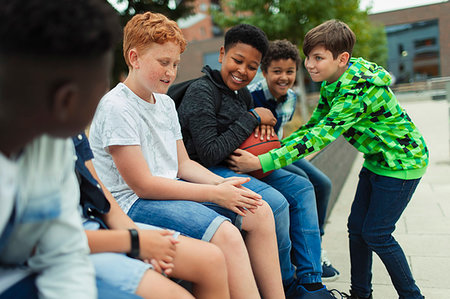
<point>247,34</point>
<point>280,49</point>
<point>58,28</point>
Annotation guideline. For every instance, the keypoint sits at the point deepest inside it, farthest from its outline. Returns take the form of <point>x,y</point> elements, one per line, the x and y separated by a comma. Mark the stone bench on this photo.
<point>335,161</point>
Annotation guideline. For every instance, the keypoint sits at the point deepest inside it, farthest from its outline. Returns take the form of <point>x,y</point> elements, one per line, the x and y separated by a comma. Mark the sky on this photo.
<point>387,5</point>
<point>377,5</point>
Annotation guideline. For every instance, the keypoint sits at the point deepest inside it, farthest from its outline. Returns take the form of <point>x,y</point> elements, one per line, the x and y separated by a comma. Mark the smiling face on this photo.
<point>280,76</point>
<point>154,69</point>
<point>321,65</point>
<point>239,65</point>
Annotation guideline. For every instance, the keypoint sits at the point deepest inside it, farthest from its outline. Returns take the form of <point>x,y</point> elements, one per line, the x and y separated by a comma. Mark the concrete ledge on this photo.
<point>336,161</point>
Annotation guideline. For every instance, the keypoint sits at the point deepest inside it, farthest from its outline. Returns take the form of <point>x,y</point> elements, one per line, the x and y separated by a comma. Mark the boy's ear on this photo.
<point>221,54</point>
<point>64,101</point>
<point>343,59</point>
<point>133,58</point>
<point>264,73</point>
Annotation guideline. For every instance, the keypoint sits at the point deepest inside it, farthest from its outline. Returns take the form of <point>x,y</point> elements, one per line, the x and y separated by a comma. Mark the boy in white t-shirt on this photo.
<point>141,159</point>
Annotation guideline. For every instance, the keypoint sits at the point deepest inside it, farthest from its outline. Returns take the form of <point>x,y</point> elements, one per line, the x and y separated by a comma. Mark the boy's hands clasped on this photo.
<point>233,196</point>
<point>158,247</point>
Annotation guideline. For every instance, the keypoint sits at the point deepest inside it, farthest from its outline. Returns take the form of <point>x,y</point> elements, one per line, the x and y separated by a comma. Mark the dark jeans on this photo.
<point>378,204</point>
<point>24,289</point>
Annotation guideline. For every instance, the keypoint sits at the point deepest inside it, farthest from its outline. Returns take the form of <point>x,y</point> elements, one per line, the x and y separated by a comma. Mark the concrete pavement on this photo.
<point>423,231</point>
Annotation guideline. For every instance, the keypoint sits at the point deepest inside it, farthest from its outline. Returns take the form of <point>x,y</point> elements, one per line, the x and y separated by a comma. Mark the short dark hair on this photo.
<point>62,28</point>
<point>280,49</point>
<point>247,34</point>
<point>334,35</point>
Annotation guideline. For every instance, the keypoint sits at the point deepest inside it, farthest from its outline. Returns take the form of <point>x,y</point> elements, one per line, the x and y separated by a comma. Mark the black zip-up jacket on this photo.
<point>211,137</point>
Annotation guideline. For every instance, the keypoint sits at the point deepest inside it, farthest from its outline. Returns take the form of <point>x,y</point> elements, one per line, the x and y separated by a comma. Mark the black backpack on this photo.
<point>177,91</point>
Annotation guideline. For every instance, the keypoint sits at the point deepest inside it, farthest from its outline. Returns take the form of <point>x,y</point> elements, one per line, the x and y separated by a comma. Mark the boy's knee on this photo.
<point>326,184</point>
<point>215,257</point>
<point>264,212</point>
<point>375,241</point>
<point>228,234</point>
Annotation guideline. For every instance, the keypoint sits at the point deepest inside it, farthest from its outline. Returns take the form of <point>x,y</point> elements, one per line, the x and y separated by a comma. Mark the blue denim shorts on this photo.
<point>119,270</point>
<point>196,220</point>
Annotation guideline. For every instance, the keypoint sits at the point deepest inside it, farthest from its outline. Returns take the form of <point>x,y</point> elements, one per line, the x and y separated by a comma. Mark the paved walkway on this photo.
<point>424,228</point>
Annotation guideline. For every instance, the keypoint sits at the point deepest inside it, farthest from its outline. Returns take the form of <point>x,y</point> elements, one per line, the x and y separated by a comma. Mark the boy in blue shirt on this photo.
<point>55,62</point>
<point>279,68</point>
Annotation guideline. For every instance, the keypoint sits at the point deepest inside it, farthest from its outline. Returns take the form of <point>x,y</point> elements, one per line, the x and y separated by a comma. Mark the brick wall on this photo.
<point>192,59</point>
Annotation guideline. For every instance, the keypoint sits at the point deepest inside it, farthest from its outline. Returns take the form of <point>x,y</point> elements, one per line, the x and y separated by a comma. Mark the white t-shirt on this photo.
<point>40,186</point>
<point>123,118</point>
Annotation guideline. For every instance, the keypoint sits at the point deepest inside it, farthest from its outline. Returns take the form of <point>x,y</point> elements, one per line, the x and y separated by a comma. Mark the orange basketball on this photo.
<point>257,147</point>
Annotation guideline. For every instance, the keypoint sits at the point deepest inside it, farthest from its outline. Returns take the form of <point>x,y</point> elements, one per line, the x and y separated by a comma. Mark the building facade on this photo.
<point>418,41</point>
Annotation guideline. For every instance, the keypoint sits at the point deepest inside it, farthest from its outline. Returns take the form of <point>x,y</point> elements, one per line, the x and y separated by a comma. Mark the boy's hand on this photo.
<point>241,161</point>
<point>236,198</point>
<point>264,130</point>
<point>159,248</point>
<point>266,116</point>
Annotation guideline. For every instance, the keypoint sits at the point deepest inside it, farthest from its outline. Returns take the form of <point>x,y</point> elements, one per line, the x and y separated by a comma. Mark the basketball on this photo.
<point>257,147</point>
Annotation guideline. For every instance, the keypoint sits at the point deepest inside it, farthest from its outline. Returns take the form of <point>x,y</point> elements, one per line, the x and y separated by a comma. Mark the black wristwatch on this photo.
<point>135,250</point>
<point>256,115</point>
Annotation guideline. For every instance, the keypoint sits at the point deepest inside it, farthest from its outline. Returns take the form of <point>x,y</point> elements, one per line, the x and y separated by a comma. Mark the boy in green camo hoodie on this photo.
<point>356,101</point>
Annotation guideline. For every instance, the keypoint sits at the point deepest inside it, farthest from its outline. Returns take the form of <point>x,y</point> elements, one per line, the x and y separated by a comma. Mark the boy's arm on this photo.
<point>115,218</point>
<point>319,112</point>
<point>345,111</point>
<point>192,171</point>
<point>198,117</point>
<point>156,246</point>
<point>132,166</point>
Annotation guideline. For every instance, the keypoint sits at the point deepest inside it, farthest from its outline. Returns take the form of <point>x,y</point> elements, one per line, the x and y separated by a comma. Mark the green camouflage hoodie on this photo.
<point>361,106</point>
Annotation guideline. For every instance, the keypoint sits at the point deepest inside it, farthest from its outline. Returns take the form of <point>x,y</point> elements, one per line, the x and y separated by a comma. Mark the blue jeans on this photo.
<point>322,186</point>
<point>292,201</point>
<point>378,204</point>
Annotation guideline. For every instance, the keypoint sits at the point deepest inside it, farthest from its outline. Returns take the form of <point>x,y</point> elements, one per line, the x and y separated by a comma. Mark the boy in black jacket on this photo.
<point>211,137</point>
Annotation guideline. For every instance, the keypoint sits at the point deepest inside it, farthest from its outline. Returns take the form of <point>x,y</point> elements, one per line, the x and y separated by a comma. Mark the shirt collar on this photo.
<point>267,94</point>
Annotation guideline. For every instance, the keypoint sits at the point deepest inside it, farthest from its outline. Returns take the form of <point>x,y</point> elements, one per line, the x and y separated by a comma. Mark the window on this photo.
<point>425,42</point>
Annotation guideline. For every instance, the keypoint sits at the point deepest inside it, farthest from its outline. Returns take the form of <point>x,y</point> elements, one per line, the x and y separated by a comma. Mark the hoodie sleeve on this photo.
<point>325,126</point>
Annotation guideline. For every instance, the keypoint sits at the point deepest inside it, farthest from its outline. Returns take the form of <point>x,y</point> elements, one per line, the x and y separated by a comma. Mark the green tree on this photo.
<point>291,19</point>
<point>173,9</point>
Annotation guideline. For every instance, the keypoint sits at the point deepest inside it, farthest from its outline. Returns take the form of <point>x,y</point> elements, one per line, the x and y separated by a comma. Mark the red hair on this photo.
<point>147,28</point>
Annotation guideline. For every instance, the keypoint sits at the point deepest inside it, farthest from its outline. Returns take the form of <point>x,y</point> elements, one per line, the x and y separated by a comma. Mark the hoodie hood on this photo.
<point>215,77</point>
<point>360,72</point>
